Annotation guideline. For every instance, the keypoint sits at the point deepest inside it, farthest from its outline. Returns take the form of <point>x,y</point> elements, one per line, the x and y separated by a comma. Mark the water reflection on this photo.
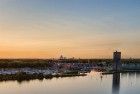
<point>116,83</point>
<point>20,79</point>
<point>93,83</point>
<point>138,75</point>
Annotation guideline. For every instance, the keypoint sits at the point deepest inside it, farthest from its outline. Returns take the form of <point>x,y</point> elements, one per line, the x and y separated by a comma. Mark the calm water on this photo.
<point>94,83</point>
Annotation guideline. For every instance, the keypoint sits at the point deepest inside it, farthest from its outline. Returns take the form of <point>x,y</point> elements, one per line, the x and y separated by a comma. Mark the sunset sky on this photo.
<point>74,28</point>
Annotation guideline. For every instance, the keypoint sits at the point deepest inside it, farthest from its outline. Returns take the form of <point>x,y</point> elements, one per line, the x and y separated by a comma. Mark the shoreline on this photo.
<point>123,71</point>
<point>20,77</point>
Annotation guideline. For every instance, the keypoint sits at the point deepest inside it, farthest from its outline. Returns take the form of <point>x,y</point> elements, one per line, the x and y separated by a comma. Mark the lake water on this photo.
<point>93,83</point>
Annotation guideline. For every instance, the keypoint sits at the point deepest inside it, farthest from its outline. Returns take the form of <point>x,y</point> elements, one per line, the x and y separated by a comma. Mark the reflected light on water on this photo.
<point>93,83</point>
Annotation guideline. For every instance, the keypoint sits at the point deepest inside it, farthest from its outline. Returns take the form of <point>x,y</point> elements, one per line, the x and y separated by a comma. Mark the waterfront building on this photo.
<point>61,57</point>
<point>117,61</point>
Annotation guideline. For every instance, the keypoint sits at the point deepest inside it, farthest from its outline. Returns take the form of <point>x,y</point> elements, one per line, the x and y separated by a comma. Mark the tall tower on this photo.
<point>117,61</point>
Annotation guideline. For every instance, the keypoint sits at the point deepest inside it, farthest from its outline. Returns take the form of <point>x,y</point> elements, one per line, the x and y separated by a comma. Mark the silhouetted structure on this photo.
<point>116,83</point>
<point>117,61</point>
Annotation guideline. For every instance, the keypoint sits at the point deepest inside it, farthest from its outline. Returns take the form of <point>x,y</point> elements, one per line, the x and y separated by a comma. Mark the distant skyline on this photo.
<point>73,28</point>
